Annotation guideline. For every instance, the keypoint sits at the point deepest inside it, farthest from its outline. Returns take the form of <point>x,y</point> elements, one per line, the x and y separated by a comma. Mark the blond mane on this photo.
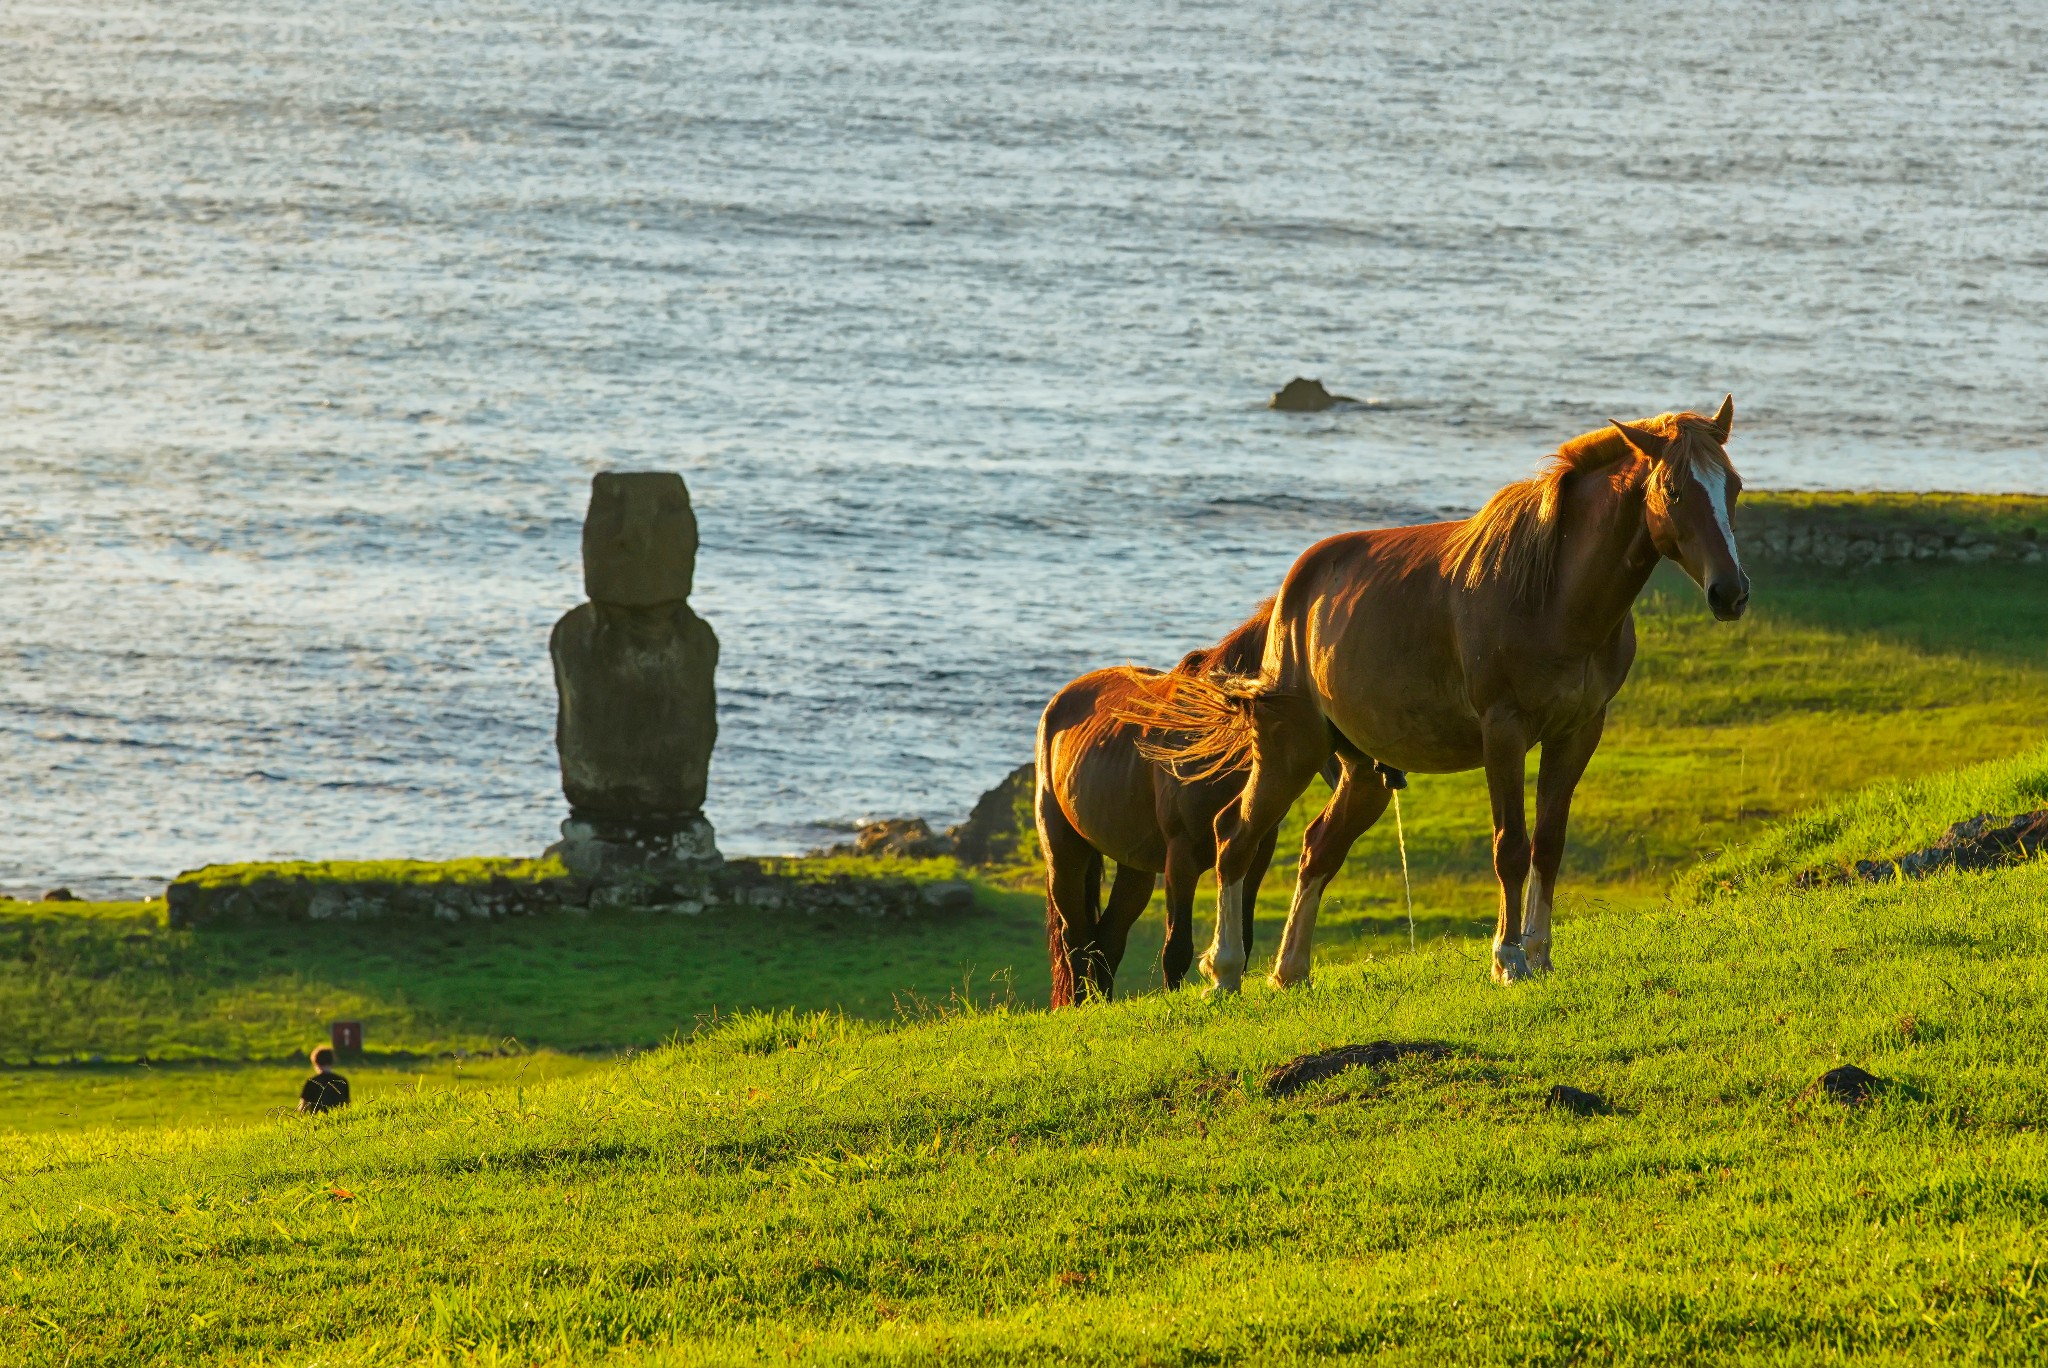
<point>1513,539</point>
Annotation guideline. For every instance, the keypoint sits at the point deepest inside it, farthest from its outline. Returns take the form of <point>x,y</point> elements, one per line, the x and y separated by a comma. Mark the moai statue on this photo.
<point>637,714</point>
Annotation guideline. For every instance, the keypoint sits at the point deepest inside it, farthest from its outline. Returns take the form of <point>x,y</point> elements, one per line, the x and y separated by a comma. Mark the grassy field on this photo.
<point>1115,1184</point>
<point>1838,677</point>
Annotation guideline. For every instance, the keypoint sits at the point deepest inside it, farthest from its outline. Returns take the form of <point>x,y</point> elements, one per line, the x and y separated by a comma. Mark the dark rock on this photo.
<point>1575,1100</point>
<point>1296,1074</point>
<point>639,539</point>
<point>952,895</point>
<point>1981,842</point>
<point>1306,396</point>
<point>60,895</point>
<point>996,831</point>
<point>909,837</point>
<point>1849,1085</point>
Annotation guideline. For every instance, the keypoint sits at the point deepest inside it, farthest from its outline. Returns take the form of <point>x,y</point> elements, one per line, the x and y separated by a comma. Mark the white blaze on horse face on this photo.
<point>1295,961</point>
<point>1715,487</point>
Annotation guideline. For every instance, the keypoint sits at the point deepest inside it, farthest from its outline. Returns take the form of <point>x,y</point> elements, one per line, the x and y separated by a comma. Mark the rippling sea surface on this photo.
<point>958,319</point>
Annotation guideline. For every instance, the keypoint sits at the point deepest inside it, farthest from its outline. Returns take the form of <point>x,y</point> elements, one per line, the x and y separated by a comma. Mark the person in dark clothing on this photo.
<point>326,1089</point>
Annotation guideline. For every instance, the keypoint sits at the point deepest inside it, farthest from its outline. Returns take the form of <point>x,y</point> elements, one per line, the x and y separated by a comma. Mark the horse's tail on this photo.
<point>1209,721</point>
<point>1056,951</point>
<point>1055,938</point>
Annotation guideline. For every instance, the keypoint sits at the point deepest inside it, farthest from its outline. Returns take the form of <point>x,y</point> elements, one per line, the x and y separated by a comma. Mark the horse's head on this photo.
<point>1690,497</point>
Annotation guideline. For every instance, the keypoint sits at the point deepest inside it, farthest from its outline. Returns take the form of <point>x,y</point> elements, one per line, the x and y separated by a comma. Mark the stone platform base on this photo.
<point>485,889</point>
<point>600,852</point>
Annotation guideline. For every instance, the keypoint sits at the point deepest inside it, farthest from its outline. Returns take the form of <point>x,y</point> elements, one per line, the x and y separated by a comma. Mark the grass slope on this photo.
<point>1838,677</point>
<point>1113,1185</point>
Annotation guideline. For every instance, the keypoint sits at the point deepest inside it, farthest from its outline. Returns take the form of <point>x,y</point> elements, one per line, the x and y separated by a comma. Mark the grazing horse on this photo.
<point>1099,795</point>
<point>1459,646</point>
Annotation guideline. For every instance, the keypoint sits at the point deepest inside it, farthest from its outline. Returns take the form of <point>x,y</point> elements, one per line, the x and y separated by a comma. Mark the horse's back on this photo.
<point>1090,764</point>
<point>1369,627</point>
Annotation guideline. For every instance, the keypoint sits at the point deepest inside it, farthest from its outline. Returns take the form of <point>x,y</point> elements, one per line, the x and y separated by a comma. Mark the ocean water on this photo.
<point>958,319</point>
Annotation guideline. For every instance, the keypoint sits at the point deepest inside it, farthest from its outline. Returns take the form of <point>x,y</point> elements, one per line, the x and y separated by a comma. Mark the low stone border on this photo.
<point>202,897</point>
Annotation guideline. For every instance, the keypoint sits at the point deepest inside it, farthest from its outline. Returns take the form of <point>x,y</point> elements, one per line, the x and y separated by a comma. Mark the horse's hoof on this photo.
<point>1280,979</point>
<point>1537,953</point>
<point>1218,992</point>
<point>1510,965</point>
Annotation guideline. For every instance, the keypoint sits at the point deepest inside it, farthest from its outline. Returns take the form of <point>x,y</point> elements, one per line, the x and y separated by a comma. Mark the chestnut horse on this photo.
<point>1099,795</point>
<point>1459,646</point>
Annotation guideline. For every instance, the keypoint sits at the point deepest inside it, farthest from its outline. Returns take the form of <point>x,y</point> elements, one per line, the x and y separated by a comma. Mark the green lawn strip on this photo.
<point>1886,820</point>
<point>1112,1184</point>
<point>178,1096</point>
<point>1838,677</point>
<point>72,988</point>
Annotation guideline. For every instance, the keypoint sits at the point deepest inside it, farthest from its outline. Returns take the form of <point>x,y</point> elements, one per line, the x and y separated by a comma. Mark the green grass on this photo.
<point>1838,677</point>
<point>472,871</point>
<point>1112,1184</point>
<point>116,983</point>
<point>180,1096</point>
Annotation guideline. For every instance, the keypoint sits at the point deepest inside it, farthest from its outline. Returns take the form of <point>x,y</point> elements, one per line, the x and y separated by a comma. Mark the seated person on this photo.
<point>326,1089</point>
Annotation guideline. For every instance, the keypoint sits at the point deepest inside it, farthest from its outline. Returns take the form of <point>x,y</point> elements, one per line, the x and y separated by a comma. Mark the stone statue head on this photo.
<point>639,539</point>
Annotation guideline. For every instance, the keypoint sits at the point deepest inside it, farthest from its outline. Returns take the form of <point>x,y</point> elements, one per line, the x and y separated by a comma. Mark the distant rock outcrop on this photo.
<point>1306,396</point>
<point>995,832</point>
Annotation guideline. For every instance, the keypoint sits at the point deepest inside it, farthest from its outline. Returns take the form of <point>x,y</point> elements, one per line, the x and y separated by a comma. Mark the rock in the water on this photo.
<point>60,895</point>
<point>639,539</point>
<point>1579,1102</point>
<point>1849,1084</point>
<point>1306,396</point>
<point>637,714</point>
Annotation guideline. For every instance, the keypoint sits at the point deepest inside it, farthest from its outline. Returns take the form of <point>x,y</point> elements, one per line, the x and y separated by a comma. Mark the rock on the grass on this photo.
<point>1986,841</point>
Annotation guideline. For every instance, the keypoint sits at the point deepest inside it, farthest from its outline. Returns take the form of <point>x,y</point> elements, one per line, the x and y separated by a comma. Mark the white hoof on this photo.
<point>1538,955</point>
<point>1510,965</point>
<point>1217,992</point>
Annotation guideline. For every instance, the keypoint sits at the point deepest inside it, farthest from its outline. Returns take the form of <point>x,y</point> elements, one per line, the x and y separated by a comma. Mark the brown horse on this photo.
<point>1459,646</point>
<point>1099,795</point>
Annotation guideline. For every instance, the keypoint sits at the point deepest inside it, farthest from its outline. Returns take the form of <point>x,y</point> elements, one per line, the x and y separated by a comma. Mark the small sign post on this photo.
<point>347,1037</point>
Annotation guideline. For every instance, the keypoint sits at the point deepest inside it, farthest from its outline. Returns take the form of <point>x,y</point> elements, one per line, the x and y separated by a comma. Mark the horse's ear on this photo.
<point>1642,439</point>
<point>1724,419</point>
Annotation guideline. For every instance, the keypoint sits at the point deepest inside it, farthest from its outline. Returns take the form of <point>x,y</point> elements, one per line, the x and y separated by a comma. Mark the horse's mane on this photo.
<point>1514,537</point>
<point>1242,651</point>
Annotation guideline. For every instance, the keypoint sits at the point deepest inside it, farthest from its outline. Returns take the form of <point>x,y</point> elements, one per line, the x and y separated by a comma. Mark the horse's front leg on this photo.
<point>1507,750</point>
<point>1564,763</point>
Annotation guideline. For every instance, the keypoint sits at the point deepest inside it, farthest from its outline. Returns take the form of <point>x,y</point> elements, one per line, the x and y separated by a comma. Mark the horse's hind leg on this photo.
<point>1293,742</point>
<point>1356,804</point>
<point>1256,875</point>
<point>1557,775</point>
<point>1127,898</point>
<point>1073,883</point>
<point>1184,864</point>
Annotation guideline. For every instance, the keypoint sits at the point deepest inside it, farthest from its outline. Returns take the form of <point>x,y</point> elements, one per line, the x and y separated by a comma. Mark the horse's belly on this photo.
<point>1107,794</point>
<point>1402,706</point>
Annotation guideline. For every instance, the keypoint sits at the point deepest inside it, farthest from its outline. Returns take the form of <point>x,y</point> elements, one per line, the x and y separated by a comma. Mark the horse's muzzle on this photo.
<point>1729,598</point>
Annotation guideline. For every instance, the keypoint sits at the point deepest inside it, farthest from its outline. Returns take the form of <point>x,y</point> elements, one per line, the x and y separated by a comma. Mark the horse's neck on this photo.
<point>1605,554</point>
